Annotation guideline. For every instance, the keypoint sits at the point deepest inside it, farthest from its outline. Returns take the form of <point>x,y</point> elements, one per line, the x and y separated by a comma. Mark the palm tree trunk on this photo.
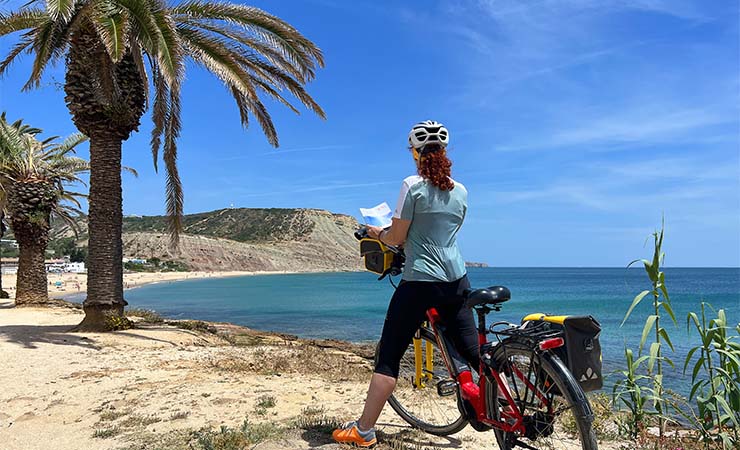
<point>31,286</point>
<point>106,100</point>
<point>3,293</point>
<point>104,303</point>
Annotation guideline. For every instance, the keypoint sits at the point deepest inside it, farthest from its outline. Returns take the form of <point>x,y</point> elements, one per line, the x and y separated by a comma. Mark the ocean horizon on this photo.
<point>351,306</point>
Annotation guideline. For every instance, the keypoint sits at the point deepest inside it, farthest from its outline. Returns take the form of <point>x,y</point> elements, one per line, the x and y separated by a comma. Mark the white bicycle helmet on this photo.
<point>428,132</point>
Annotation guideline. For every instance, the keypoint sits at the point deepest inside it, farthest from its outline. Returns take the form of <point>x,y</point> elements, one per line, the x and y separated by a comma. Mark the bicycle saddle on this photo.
<point>490,295</point>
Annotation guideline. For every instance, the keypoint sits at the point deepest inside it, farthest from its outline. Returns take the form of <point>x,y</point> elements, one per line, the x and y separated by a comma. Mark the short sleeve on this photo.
<point>405,205</point>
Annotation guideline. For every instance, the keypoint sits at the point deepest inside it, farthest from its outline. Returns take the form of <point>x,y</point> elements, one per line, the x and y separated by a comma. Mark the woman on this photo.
<point>429,213</point>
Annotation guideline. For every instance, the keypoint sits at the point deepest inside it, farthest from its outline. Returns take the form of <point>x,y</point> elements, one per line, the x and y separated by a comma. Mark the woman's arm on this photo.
<point>395,235</point>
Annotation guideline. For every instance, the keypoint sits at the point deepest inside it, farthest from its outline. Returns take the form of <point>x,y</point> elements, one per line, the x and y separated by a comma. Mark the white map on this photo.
<point>378,216</point>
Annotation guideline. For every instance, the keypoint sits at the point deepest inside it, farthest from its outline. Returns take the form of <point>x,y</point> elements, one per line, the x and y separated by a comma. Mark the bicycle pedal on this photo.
<point>445,388</point>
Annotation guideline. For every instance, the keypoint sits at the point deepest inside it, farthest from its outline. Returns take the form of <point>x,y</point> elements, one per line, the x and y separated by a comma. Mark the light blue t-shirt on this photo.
<point>436,216</point>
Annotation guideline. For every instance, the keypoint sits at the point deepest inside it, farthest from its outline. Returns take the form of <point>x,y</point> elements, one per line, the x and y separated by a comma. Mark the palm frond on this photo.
<point>279,33</point>
<point>159,113</point>
<point>23,19</point>
<point>249,43</point>
<point>214,54</point>
<point>174,185</point>
<point>142,24</point>
<point>130,170</point>
<point>282,79</point>
<point>71,142</point>
<point>19,48</point>
<point>112,26</point>
<point>50,42</point>
<point>60,9</point>
<point>68,214</point>
<point>170,56</point>
<point>137,54</point>
<point>23,157</point>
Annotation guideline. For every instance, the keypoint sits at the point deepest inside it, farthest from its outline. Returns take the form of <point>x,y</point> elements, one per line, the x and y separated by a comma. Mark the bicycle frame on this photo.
<point>511,417</point>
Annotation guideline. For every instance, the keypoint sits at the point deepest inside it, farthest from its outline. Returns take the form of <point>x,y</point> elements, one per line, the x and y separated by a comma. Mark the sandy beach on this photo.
<point>65,284</point>
<point>161,387</point>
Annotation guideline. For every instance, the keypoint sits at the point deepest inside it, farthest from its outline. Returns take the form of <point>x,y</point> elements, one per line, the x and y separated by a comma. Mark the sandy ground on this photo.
<point>136,389</point>
<point>66,284</point>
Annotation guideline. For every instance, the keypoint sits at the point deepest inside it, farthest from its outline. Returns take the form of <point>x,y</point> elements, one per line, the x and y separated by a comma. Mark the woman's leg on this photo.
<point>381,387</point>
<point>460,322</point>
<point>406,312</point>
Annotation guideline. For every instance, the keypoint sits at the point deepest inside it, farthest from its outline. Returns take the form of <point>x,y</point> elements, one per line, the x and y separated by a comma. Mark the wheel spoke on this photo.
<point>423,407</point>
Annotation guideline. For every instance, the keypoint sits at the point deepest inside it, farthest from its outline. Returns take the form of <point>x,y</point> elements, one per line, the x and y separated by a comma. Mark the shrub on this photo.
<point>715,377</point>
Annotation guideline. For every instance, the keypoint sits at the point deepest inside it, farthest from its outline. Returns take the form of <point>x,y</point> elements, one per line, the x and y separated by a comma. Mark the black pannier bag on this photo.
<point>583,351</point>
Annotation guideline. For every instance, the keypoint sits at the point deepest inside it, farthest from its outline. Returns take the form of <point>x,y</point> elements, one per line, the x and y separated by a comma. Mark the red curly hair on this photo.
<point>435,166</point>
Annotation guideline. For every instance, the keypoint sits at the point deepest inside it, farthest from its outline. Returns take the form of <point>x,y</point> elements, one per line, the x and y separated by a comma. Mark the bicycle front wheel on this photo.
<point>556,412</point>
<point>426,396</point>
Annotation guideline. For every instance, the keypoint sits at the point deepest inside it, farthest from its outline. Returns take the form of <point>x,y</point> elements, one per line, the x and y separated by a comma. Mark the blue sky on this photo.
<point>575,124</point>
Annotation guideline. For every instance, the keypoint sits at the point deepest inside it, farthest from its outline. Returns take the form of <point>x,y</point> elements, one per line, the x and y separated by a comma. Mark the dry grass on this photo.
<point>303,359</point>
<point>193,325</point>
<point>246,436</point>
<point>108,432</point>
<point>137,420</point>
<point>179,415</point>
<point>146,315</point>
<point>113,414</point>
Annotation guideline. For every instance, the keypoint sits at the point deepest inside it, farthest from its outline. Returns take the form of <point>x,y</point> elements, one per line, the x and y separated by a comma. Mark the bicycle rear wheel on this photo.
<point>556,410</point>
<point>431,402</point>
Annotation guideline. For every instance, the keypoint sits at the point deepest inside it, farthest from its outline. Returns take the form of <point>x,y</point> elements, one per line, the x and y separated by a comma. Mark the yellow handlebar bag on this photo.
<point>378,257</point>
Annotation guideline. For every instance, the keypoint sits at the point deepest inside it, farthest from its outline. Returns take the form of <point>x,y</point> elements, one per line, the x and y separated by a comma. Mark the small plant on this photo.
<point>193,325</point>
<point>146,315</point>
<point>654,360</point>
<point>263,404</point>
<point>136,420</point>
<point>266,401</point>
<point>179,415</point>
<point>116,323</point>
<point>237,439</point>
<point>604,417</point>
<point>105,433</point>
<point>718,393</point>
<point>113,414</point>
<point>632,392</point>
<point>314,418</point>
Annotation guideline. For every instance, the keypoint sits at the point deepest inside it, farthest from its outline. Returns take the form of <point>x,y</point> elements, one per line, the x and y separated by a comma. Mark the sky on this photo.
<point>576,125</point>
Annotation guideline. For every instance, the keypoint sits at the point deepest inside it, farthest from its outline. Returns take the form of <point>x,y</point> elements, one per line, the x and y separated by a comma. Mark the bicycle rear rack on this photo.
<point>530,334</point>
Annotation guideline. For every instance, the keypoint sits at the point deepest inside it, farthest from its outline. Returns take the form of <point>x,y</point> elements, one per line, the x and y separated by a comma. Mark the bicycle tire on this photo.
<point>550,368</point>
<point>406,401</point>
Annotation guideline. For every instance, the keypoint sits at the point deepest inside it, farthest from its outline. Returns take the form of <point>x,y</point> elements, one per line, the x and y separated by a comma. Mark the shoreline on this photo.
<point>64,285</point>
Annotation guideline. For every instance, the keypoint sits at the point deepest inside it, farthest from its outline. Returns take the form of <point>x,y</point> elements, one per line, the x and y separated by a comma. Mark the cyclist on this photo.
<point>430,210</point>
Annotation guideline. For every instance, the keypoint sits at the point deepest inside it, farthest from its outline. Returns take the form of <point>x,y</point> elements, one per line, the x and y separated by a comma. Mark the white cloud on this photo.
<point>638,125</point>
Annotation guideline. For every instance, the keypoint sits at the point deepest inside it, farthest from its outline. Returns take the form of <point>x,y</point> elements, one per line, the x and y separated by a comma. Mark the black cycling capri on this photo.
<point>407,311</point>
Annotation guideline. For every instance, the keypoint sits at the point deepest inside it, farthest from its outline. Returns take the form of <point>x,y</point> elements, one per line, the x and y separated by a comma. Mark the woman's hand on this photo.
<point>373,232</point>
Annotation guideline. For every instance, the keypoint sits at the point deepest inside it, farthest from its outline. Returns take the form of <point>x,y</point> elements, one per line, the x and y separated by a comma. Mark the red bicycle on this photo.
<point>523,389</point>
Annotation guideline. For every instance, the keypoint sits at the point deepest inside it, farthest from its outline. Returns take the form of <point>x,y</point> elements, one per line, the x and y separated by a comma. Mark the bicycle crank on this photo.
<point>445,388</point>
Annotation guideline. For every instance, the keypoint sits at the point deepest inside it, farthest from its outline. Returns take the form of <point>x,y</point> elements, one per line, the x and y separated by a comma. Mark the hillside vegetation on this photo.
<point>243,239</point>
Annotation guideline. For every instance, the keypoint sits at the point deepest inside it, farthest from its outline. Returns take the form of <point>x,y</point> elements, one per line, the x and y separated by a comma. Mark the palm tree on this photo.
<point>3,229</point>
<point>33,175</point>
<point>116,52</point>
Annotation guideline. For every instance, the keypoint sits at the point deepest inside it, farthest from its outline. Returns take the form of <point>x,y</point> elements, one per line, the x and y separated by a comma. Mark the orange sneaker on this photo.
<point>349,433</point>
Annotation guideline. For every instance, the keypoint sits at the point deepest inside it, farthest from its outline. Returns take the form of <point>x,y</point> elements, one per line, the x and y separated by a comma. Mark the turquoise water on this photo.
<point>351,306</point>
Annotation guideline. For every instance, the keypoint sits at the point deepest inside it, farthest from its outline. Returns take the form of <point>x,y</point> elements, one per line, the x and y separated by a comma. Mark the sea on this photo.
<point>351,306</point>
